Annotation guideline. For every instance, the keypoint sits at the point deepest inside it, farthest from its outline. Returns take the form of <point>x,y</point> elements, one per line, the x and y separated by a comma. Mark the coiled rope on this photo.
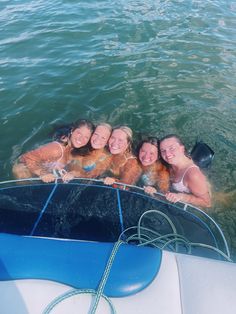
<point>171,241</point>
<point>144,236</point>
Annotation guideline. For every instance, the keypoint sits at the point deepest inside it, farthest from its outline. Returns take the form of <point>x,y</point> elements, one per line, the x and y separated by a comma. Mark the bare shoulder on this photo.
<point>196,181</point>
<point>54,146</point>
<point>194,173</point>
<point>131,160</point>
<point>51,147</point>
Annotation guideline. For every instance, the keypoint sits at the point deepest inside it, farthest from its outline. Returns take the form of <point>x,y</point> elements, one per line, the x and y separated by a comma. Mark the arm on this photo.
<point>129,173</point>
<point>199,187</point>
<point>200,192</point>
<point>35,160</point>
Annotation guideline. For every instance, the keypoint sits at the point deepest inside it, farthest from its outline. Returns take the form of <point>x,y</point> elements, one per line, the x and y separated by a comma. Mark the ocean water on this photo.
<point>159,66</point>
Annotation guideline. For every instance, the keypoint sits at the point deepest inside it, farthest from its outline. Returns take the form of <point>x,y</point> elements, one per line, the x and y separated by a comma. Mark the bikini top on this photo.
<point>148,176</point>
<point>89,162</point>
<point>179,186</point>
<point>93,164</point>
<point>145,178</point>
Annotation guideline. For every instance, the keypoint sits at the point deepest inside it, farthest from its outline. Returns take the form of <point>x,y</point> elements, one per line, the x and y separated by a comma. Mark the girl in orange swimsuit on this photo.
<point>44,160</point>
<point>97,161</point>
<point>154,176</point>
<point>189,183</point>
<point>124,166</point>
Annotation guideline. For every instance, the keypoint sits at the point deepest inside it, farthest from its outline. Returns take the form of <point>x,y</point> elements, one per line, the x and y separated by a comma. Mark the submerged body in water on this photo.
<point>188,181</point>
<point>43,161</point>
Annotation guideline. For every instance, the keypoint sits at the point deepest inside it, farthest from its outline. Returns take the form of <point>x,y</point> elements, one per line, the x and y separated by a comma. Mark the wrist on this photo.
<point>41,173</point>
<point>185,198</point>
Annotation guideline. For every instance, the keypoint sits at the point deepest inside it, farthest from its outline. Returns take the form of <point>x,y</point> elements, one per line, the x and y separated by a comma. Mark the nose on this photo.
<point>115,141</point>
<point>96,139</point>
<point>81,138</point>
<point>168,154</point>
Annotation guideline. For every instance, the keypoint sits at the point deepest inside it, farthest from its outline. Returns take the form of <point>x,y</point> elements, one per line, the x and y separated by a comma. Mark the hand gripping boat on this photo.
<point>83,247</point>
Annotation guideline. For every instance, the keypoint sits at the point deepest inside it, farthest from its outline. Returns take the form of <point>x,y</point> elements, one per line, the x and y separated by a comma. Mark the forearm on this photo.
<point>33,164</point>
<point>39,161</point>
<point>202,201</point>
<point>98,171</point>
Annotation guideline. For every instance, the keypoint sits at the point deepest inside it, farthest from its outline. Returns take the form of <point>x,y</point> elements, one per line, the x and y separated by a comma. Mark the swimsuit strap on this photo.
<point>62,151</point>
<point>186,170</point>
<point>102,158</point>
<point>129,157</point>
<point>126,159</point>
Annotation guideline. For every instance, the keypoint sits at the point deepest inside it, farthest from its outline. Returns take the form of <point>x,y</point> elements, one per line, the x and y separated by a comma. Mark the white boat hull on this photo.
<point>184,284</point>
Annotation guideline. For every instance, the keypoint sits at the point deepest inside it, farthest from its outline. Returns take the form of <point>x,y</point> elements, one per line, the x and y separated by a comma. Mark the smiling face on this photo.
<point>118,142</point>
<point>100,137</point>
<point>148,154</point>
<point>171,150</point>
<point>80,136</point>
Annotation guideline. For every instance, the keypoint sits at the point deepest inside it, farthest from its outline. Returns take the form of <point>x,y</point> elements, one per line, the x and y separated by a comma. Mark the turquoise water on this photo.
<point>158,66</point>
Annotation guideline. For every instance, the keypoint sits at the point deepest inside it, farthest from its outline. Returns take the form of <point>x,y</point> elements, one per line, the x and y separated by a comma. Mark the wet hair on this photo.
<point>178,139</point>
<point>150,140</point>
<point>126,130</point>
<point>106,125</point>
<point>83,122</point>
<point>63,133</point>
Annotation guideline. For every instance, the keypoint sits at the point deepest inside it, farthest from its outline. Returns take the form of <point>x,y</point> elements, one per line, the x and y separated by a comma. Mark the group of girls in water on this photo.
<point>101,151</point>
